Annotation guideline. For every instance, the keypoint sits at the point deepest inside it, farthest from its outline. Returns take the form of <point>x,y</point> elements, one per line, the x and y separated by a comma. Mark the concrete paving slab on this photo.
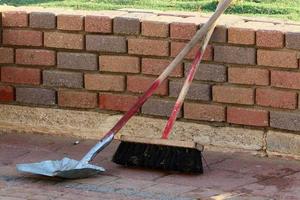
<point>234,176</point>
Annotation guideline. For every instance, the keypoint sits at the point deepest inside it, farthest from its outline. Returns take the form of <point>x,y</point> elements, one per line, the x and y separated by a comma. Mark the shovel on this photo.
<point>72,169</point>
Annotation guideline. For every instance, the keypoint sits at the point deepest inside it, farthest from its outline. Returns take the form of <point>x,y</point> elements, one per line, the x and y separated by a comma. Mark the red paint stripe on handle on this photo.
<point>179,102</point>
<point>134,109</point>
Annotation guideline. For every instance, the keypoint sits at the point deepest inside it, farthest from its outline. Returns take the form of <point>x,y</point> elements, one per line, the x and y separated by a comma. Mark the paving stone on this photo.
<point>218,179</point>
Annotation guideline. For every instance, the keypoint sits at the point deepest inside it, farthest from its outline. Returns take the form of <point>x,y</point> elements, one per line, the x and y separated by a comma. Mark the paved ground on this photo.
<point>231,175</point>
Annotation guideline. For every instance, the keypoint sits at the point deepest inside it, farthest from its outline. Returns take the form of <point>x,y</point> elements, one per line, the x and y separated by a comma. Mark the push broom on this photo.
<point>162,153</point>
<point>70,168</point>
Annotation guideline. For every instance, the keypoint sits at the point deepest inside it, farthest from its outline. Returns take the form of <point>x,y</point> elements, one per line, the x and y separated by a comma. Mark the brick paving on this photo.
<point>235,176</point>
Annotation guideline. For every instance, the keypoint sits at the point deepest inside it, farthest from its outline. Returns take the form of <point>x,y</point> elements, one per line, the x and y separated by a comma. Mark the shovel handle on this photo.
<point>178,59</point>
<point>188,81</point>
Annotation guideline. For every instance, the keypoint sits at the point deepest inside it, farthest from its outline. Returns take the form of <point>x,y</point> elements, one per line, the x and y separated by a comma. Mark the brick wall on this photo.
<point>103,61</point>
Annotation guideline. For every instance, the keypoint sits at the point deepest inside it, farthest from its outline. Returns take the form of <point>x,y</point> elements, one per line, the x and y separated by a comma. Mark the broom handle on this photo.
<point>108,137</point>
<point>187,83</point>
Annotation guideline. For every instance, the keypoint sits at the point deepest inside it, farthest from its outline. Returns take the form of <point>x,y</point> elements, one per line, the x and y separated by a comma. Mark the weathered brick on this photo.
<point>35,57</point>
<point>285,79</point>
<point>106,43</point>
<point>70,22</point>
<point>42,20</point>
<point>270,38</point>
<point>208,72</point>
<point>185,31</point>
<point>148,47</point>
<point>292,40</point>
<point>282,59</point>
<point>285,120</point>
<point>245,116</point>
<point>6,55</point>
<point>241,36</point>
<point>98,24</point>
<point>154,66</point>
<point>249,76</point>
<point>124,25</point>
<point>129,23</point>
<point>155,28</point>
<point>176,47</point>
<point>197,91</point>
<point>125,64</point>
<point>237,55</point>
<point>36,96</point>
<point>238,95</point>
<point>79,61</point>
<point>140,84</point>
<point>14,19</point>
<point>6,93</point>
<point>104,82</point>
<point>206,112</point>
<point>77,99</point>
<point>118,102</point>
<point>63,79</point>
<point>21,75</point>
<point>63,40</point>
<point>276,98</point>
<point>159,107</point>
<point>219,34</point>
<point>22,37</point>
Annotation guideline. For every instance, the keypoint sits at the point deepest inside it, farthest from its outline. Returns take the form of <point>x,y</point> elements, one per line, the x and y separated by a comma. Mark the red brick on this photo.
<point>20,75</point>
<point>241,36</point>
<point>125,64</point>
<point>6,94</point>
<point>35,57</point>
<point>154,66</point>
<point>204,112</point>
<point>176,47</point>
<point>155,29</point>
<point>6,55</point>
<point>238,95</point>
<point>98,24</point>
<point>14,18</point>
<point>282,59</point>
<point>276,98</point>
<point>148,47</point>
<point>246,116</point>
<point>285,79</point>
<point>104,82</point>
<point>270,38</point>
<point>22,37</point>
<point>63,40</point>
<point>140,84</point>
<point>183,31</point>
<point>116,102</point>
<point>250,76</point>
<point>77,99</point>
<point>70,22</point>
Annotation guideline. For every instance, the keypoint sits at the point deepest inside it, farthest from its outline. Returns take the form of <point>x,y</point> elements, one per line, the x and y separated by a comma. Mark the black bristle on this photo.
<point>188,160</point>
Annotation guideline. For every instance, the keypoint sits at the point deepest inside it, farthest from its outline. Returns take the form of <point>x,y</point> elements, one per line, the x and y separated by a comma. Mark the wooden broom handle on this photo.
<point>178,59</point>
<point>188,81</point>
<point>108,137</point>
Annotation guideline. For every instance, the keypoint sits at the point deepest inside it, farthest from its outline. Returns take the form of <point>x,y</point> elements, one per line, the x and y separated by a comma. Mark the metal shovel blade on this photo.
<point>65,168</point>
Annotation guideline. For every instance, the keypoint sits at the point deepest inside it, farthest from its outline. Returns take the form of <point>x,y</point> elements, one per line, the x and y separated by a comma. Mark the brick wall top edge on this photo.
<point>178,16</point>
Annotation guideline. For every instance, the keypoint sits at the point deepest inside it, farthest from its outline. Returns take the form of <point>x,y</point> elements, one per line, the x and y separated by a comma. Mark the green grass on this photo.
<point>285,9</point>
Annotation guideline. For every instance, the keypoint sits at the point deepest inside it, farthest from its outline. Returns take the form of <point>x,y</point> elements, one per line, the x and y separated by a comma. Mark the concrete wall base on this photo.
<point>93,125</point>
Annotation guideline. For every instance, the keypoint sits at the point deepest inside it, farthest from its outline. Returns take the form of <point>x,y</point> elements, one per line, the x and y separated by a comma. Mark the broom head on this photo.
<point>181,156</point>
